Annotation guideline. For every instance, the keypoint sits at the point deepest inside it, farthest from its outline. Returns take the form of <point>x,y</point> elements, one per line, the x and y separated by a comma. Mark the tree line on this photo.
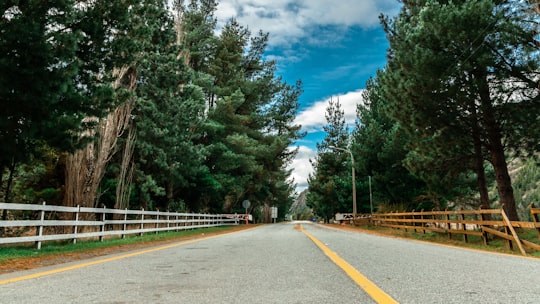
<point>140,104</point>
<point>457,101</point>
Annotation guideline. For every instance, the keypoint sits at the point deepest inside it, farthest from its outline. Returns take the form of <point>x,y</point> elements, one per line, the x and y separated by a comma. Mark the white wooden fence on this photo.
<point>108,222</point>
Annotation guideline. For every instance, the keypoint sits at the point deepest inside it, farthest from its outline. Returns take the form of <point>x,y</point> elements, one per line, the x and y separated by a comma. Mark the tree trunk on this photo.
<point>85,168</point>
<point>4,212</point>
<point>170,194</point>
<point>266,213</point>
<point>127,168</point>
<point>481,182</point>
<point>496,150</point>
<point>479,162</point>
<point>504,184</point>
<point>11,168</point>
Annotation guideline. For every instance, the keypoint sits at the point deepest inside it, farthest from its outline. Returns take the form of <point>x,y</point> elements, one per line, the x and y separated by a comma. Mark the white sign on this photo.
<point>274,212</point>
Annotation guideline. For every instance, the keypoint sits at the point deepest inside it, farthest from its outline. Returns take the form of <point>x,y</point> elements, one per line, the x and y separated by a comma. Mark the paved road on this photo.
<point>285,263</point>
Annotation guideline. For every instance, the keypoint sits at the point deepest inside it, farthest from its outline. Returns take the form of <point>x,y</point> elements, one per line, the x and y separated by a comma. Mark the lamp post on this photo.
<point>353,178</point>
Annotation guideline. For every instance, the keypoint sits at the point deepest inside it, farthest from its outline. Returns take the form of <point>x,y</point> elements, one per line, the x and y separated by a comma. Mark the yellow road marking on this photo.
<point>114,258</point>
<point>369,287</point>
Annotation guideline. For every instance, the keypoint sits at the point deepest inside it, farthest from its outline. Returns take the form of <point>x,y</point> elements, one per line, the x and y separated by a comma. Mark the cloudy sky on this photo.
<point>333,46</point>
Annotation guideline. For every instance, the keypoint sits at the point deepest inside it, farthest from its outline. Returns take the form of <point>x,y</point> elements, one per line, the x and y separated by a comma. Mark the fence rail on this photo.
<point>82,222</point>
<point>464,222</point>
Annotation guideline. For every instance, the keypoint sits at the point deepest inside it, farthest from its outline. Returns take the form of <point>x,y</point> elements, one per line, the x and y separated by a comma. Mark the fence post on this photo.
<point>534,215</point>
<point>485,236</point>
<point>448,226</point>
<point>168,220</point>
<point>434,222</point>
<point>404,217</point>
<point>124,227</point>
<point>156,225</point>
<point>142,222</point>
<point>40,228</point>
<point>508,224</point>
<point>74,240</point>
<point>414,220</point>
<point>177,223</point>
<point>423,224</point>
<point>102,228</point>
<point>464,226</point>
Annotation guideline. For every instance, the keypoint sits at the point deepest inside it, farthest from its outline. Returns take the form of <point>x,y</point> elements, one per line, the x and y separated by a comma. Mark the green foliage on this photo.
<point>49,76</point>
<point>168,119</point>
<point>249,122</point>
<point>40,180</point>
<point>379,145</point>
<point>212,122</point>
<point>460,93</point>
<point>526,184</point>
<point>330,185</point>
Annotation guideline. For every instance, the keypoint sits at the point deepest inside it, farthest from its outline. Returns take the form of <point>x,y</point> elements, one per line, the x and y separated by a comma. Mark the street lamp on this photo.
<point>353,178</point>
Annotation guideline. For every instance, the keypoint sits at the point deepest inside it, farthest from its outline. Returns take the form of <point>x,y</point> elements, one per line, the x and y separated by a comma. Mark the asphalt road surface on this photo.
<point>284,263</point>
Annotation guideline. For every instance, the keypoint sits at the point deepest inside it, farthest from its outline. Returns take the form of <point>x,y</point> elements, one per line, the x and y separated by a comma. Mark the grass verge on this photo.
<point>495,244</point>
<point>10,253</point>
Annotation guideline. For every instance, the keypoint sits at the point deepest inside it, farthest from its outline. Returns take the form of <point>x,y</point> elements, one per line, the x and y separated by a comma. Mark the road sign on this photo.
<point>246,205</point>
<point>274,212</point>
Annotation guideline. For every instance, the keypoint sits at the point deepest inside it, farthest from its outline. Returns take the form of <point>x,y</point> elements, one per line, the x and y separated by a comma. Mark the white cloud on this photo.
<point>312,118</point>
<point>302,167</point>
<point>290,21</point>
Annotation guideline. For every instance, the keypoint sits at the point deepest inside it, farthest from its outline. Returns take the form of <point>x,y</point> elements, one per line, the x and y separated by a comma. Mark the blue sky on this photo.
<point>333,46</point>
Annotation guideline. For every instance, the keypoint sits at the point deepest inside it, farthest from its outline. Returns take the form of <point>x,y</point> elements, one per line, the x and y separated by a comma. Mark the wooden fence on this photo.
<point>480,223</point>
<point>50,224</point>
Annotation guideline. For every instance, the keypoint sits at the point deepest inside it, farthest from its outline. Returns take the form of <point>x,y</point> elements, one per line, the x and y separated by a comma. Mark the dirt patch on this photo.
<point>13,265</point>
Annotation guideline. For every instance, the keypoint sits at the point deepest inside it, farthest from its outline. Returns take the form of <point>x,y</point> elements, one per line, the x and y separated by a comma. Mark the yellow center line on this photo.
<point>114,258</point>
<point>369,287</point>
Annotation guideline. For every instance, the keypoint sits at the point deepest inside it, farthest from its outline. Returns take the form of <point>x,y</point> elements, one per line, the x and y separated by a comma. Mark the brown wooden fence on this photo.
<point>480,223</point>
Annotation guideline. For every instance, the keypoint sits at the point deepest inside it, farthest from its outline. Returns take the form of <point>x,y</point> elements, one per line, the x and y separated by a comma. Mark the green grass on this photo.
<point>51,248</point>
<point>495,244</point>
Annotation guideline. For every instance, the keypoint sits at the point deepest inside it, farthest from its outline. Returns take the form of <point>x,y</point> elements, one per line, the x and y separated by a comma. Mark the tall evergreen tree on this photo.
<point>379,146</point>
<point>249,123</point>
<point>473,81</point>
<point>52,73</point>
<point>330,184</point>
<point>43,89</point>
<point>168,118</point>
<point>128,28</point>
<point>198,27</point>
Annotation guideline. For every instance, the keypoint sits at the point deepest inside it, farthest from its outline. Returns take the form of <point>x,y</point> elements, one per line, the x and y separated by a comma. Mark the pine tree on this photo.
<point>330,184</point>
<point>118,25</point>
<point>467,86</point>
<point>51,75</point>
<point>379,146</point>
<point>249,123</point>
